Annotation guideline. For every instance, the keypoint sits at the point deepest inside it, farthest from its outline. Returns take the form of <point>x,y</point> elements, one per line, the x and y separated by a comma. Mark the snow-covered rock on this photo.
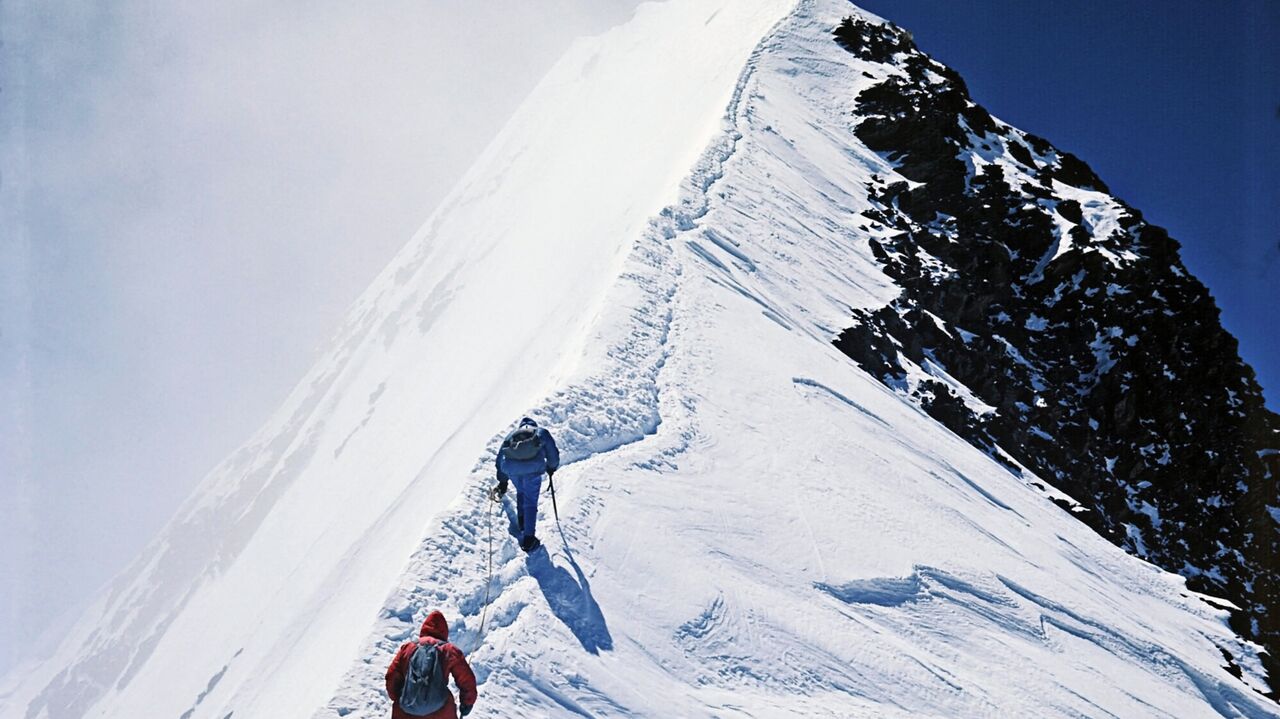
<point>1089,355</point>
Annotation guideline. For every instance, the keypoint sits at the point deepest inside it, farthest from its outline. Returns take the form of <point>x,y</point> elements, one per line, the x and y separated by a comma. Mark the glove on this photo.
<point>466,709</point>
<point>501,489</point>
<point>551,473</point>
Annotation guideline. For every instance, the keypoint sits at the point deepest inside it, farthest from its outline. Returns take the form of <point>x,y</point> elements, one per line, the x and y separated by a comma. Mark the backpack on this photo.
<point>524,444</point>
<point>426,689</point>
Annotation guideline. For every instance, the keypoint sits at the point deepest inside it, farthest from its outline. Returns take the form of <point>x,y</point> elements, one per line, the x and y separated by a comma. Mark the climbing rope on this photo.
<point>488,582</point>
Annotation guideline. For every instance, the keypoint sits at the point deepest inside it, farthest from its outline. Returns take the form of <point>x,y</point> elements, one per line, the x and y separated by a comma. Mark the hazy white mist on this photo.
<point>192,193</point>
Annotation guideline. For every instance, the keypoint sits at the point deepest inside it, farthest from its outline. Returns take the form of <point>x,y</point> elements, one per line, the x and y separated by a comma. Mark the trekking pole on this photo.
<point>488,582</point>
<point>551,482</point>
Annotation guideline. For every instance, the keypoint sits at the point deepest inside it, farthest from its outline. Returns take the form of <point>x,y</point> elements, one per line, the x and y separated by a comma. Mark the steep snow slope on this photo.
<point>793,539</point>
<point>258,593</point>
<point>752,526</point>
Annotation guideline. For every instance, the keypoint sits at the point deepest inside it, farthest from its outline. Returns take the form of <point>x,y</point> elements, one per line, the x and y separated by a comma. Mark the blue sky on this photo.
<point>1175,104</point>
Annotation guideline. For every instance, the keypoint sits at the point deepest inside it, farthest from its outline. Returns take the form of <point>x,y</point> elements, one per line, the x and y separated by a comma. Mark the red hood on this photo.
<point>435,626</point>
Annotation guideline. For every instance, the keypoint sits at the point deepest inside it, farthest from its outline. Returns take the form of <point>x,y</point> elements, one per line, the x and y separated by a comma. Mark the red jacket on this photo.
<point>435,630</point>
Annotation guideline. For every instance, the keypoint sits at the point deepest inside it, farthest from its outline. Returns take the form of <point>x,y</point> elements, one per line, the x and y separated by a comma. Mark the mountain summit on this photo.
<point>1046,322</point>
<point>668,258</point>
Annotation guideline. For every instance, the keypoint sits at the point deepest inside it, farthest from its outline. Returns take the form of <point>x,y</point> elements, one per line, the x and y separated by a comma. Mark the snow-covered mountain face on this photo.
<point>1043,318</point>
<point>653,259</point>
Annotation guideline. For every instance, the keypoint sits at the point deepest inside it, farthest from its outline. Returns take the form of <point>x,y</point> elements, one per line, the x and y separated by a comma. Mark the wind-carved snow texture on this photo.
<point>750,525</point>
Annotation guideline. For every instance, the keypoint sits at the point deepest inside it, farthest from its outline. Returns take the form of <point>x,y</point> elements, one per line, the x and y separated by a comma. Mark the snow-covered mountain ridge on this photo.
<point>752,525</point>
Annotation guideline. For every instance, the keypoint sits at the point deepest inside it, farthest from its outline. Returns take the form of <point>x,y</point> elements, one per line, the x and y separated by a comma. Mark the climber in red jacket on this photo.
<point>435,634</point>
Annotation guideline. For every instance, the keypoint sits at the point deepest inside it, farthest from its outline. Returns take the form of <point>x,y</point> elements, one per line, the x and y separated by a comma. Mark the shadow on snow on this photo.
<point>568,594</point>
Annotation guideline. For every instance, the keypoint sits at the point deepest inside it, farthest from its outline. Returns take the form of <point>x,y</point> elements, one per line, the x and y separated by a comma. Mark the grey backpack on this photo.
<point>524,444</point>
<point>426,688</point>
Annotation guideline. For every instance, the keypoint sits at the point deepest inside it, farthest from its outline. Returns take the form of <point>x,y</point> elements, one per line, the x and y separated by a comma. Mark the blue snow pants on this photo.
<point>527,488</point>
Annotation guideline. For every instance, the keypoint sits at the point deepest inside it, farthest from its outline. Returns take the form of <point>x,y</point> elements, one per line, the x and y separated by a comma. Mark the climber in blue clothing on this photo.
<point>526,454</point>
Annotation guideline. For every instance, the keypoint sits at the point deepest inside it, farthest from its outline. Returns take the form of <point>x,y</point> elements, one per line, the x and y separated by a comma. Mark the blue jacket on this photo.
<point>547,460</point>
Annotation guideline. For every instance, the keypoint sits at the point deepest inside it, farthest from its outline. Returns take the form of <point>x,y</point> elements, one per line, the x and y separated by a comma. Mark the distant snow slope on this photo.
<point>752,526</point>
<point>257,594</point>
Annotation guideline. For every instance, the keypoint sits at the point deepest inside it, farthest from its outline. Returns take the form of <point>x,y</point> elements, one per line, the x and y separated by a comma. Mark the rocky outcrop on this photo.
<point>1045,321</point>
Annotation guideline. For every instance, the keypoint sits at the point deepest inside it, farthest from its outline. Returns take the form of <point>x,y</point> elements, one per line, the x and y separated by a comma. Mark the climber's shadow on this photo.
<point>568,594</point>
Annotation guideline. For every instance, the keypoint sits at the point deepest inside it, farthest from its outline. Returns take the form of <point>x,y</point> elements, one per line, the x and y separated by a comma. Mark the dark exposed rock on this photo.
<point>1057,305</point>
<point>1073,171</point>
<point>1022,154</point>
<point>874,43</point>
<point>1071,212</point>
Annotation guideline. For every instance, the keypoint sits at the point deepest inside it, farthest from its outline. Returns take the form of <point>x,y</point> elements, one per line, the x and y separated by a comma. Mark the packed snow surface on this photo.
<point>750,525</point>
